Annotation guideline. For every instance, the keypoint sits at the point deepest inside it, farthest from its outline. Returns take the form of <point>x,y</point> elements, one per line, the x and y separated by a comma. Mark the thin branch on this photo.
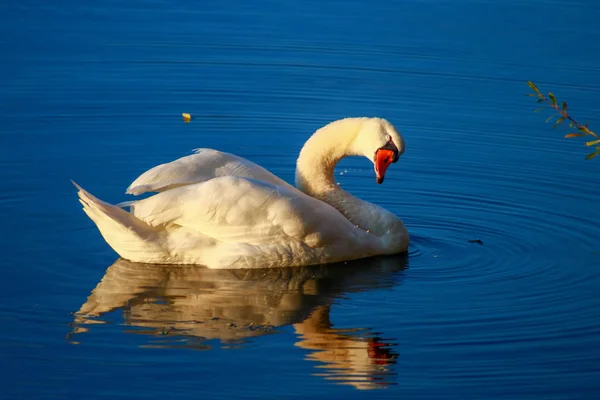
<point>563,116</point>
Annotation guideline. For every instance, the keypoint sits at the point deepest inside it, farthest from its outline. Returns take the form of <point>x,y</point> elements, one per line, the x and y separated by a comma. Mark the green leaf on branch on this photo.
<point>558,121</point>
<point>592,155</point>
<point>564,105</point>
<point>533,87</point>
<point>582,128</point>
<point>571,135</point>
<point>552,97</point>
<point>549,118</point>
<point>592,142</point>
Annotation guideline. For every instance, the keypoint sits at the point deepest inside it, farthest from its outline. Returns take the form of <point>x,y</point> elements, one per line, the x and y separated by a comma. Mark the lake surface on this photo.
<point>94,92</point>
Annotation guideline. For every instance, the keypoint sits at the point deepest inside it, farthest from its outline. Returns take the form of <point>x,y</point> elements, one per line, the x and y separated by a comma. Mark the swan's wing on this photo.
<point>202,166</point>
<point>259,216</point>
<point>231,206</point>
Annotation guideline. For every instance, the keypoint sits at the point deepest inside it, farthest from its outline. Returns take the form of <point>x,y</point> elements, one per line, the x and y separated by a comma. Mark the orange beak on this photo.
<point>383,158</point>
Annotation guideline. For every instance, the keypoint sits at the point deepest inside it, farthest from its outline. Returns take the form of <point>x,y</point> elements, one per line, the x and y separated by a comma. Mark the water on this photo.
<point>94,92</point>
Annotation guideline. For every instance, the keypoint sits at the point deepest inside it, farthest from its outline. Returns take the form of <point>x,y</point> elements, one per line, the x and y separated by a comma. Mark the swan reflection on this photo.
<point>186,306</point>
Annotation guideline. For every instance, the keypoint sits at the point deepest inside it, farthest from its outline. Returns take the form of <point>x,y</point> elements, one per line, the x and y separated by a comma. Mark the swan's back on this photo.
<point>202,166</point>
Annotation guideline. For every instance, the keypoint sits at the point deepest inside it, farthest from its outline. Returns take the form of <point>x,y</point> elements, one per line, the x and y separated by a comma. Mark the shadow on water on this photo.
<point>187,307</point>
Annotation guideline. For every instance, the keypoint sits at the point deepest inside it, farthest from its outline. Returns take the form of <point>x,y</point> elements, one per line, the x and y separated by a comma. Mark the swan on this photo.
<point>223,211</point>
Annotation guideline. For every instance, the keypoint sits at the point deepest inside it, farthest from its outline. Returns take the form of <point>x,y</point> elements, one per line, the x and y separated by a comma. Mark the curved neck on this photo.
<point>320,154</point>
<point>315,175</point>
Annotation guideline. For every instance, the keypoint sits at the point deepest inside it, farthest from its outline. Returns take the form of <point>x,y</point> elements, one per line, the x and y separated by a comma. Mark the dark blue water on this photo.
<point>94,91</point>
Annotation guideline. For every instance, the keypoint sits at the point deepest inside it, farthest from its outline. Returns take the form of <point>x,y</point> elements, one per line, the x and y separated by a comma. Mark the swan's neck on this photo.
<point>315,177</point>
<point>320,154</point>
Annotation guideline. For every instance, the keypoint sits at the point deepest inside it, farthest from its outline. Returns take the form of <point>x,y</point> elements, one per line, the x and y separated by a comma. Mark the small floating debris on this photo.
<point>165,331</point>
<point>186,117</point>
<point>478,241</point>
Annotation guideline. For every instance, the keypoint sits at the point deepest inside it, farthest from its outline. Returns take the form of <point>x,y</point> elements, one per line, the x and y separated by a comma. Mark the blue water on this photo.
<point>95,92</point>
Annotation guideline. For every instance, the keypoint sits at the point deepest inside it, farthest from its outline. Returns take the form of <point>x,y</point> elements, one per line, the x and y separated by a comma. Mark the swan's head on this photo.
<point>380,142</point>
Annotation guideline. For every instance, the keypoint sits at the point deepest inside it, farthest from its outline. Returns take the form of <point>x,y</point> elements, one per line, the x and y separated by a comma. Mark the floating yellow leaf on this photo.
<point>186,117</point>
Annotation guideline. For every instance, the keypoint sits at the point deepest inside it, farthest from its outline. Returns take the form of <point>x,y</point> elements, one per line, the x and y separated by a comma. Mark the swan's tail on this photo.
<point>130,237</point>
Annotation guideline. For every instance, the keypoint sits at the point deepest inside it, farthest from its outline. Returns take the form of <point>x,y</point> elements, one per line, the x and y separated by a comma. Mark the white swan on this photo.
<point>222,211</point>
